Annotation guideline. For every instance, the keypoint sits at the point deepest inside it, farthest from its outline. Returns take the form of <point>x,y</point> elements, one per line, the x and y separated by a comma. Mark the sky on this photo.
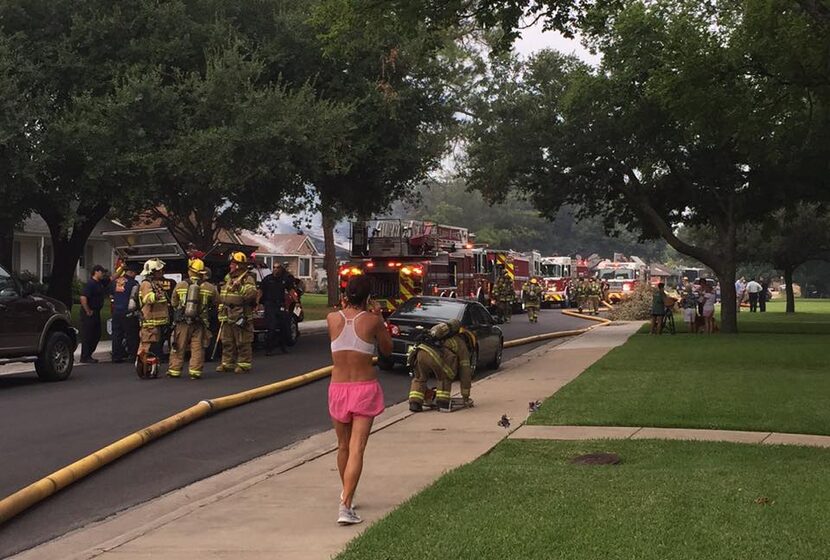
<point>534,39</point>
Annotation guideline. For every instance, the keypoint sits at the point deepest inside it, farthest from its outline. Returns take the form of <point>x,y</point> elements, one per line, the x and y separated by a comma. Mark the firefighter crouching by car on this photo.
<point>236,309</point>
<point>532,296</point>
<point>155,315</point>
<point>192,300</point>
<point>504,295</point>
<point>444,352</point>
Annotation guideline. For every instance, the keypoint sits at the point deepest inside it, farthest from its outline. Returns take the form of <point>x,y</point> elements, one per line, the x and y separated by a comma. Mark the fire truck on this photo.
<point>622,277</point>
<point>405,258</point>
<point>556,272</point>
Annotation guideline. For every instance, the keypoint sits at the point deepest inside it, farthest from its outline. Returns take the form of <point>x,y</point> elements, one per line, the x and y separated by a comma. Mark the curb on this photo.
<point>38,491</point>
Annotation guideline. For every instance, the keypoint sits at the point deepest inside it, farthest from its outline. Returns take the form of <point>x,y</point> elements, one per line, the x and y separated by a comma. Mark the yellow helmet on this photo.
<point>534,281</point>
<point>239,257</point>
<point>196,265</point>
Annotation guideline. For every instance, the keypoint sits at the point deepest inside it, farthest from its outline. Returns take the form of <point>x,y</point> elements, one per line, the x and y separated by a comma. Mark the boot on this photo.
<point>444,405</point>
<point>415,406</point>
<point>222,368</point>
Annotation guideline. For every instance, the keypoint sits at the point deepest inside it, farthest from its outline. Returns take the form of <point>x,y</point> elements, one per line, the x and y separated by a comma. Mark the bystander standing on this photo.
<point>658,308</point>
<point>123,289</point>
<point>689,301</point>
<point>754,290</point>
<point>92,300</point>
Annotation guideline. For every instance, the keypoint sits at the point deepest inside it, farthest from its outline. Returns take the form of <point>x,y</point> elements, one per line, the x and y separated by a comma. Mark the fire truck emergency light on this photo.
<point>626,287</point>
<point>405,270</point>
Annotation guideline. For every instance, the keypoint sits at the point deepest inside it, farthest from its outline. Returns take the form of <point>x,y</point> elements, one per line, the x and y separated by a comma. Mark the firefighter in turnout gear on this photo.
<point>594,293</point>
<point>444,353</point>
<point>155,315</point>
<point>504,295</point>
<point>192,300</point>
<point>532,296</point>
<point>237,299</point>
<point>581,294</point>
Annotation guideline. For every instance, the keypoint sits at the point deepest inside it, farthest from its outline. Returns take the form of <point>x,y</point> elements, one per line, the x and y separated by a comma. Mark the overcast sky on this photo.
<point>534,39</point>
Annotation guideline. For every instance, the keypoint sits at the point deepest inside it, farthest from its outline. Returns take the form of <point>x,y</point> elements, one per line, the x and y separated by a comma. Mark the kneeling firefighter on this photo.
<point>192,300</point>
<point>155,315</point>
<point>444,352</point>
<point>236,312</point>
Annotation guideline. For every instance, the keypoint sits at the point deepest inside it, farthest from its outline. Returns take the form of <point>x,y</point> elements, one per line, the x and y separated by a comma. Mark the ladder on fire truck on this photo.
<point>389,237</point>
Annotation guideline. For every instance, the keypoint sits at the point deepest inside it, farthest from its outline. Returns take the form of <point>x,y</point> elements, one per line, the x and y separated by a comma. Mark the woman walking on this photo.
<point>355,396</point>
<point>709,299</point>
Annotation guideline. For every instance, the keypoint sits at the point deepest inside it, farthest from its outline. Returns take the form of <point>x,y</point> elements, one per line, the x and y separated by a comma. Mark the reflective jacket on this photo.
<point>207,298</point>
<point>237,297</point>
<point>155,309</point>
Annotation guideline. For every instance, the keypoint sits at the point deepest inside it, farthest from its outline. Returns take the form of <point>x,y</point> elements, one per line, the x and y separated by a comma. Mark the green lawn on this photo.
<point>753,381</point>
<point>315,306</point>
<point>666,500</point>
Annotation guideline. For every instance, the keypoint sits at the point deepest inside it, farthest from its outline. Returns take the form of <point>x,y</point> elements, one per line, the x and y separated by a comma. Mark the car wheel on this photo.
<point>496,363</point>
<point>56,361</point>
<point>386,363</point>
<point>294,332</point>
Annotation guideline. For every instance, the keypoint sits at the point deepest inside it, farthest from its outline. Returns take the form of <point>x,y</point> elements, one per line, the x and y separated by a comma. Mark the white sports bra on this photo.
<point>348,339</point>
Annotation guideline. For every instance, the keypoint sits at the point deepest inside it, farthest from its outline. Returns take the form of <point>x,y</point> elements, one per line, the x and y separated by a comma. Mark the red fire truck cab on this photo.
<point>556,273</point>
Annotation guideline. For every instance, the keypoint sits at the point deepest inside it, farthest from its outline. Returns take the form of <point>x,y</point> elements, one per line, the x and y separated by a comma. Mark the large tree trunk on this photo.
<point>728,296</point>
<point>6,244</point>
<point>68,246</point>
<point>788,280</point>
<point>330,257</point>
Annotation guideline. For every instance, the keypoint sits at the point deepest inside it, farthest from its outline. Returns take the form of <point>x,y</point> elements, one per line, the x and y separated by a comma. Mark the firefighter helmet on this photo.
<point>239,257</point>
<point>196,265</point>
<point>151,266</point>
<point>454,326</point>
<point>534,280</point>
<point>440,331</point>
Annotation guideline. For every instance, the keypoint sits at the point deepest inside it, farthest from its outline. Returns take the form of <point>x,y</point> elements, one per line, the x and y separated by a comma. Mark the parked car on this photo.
<point>420,313</point>
<point>35,328</point>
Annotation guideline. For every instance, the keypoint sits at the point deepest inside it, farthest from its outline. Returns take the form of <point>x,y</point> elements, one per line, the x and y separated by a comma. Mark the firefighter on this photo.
<point>532,296</point>
<point>504,295</point>
<point>155,315</point>
<point>593,294</point>
<point>581,294</point>
<point>236,309</point>
<point>445,353</point>
<point>192,301</point>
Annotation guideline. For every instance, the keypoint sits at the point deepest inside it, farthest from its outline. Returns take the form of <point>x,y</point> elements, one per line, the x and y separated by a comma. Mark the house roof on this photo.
<point>282,244</point>
<point>657,269</point>
<point>34,224</point>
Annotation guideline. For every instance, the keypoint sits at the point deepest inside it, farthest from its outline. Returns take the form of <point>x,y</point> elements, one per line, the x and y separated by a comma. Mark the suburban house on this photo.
<point>298,249</point>
<point>32,250</point>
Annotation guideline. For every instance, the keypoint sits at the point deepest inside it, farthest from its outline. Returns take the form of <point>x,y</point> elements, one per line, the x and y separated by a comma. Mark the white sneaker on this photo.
<point>347,516</point>
<point>354,505</point>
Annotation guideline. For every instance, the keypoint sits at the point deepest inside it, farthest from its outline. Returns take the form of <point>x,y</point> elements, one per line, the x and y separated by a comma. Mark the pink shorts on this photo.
<point>357,398</point>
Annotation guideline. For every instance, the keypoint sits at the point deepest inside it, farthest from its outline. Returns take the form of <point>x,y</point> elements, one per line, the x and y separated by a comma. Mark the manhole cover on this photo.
<point>596,459</point>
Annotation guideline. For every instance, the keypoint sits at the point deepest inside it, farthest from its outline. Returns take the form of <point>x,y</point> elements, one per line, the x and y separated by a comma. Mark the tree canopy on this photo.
<point>674,127</point>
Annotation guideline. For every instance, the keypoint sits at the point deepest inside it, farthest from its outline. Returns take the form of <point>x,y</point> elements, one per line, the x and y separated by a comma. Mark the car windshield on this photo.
<point>424,309</point>
<point>616,274</point>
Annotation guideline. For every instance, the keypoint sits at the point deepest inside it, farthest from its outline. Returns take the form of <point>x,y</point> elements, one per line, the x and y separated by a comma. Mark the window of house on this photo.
<point>305,267</point>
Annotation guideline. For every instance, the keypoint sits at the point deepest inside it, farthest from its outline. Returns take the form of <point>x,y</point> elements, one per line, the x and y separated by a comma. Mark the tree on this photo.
<point>790,238</point>
<point>389,74</point>
<point>673,128</point>
<point>138,103</point>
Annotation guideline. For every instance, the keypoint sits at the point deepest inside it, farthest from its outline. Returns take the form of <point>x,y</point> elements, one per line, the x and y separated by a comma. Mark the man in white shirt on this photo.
<point>740,288</point>
<point>754,290</point>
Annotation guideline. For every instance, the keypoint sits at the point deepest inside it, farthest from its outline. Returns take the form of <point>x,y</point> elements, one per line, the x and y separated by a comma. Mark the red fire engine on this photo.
<point>557,272</point>
<point>408,258</point>
<point>622,277</point>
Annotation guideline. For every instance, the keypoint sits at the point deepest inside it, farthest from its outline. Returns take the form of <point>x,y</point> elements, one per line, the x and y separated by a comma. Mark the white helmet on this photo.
<point>151,266</point>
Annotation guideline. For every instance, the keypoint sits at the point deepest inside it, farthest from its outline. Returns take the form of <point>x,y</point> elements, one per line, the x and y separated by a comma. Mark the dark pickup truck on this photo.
<point>35,328</point>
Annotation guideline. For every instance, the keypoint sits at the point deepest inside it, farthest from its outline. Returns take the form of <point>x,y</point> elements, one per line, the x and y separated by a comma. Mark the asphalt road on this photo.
<point>48,426</point>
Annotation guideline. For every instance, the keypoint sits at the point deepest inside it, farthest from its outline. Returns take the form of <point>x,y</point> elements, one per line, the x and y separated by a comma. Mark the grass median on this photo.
<point>667,499</point>
<point>770,381</point>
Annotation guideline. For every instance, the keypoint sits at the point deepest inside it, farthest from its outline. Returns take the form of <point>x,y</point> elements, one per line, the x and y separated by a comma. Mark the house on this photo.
<point>32,249</point>
<point>662,273</point>
<point>298,249</point>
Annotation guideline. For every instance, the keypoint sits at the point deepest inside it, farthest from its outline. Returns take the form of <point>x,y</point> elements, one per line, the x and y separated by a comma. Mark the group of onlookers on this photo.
<point>697,301</point>
<point>756,292</point>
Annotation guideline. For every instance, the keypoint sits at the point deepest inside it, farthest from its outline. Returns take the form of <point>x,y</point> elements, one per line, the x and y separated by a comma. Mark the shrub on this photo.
<point>637,307</point>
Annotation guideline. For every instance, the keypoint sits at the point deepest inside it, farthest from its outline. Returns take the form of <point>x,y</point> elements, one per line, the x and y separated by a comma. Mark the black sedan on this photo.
<point>420,313</point>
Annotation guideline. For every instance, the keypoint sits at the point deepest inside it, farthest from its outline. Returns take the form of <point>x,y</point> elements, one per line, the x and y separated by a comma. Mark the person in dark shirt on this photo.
<point>273,292</point>
<point>92,300</point>
<point>125,326</point>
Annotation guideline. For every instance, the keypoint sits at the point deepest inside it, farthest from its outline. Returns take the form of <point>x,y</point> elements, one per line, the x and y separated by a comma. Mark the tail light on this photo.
<point>626,287</point>
<point>393,329</point>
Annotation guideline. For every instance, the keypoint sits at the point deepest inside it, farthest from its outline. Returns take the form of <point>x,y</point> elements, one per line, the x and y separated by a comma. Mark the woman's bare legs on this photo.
<point>344,434</point>
<point>361,426</point>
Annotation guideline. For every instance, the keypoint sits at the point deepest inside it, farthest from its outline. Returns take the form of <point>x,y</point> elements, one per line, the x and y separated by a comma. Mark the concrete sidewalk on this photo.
<point>284,505</point>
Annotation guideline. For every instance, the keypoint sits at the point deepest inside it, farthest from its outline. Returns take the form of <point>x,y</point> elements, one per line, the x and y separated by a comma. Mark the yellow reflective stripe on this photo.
<point>154,322</point>
<point>244,365</point>
<point>440,394</point>
<point>149,298</point>
<point>448,371</point>
<point>416,395</point>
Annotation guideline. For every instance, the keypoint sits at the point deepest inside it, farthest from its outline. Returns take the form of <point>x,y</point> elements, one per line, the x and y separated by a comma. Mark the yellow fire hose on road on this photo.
<point>36,492</point>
